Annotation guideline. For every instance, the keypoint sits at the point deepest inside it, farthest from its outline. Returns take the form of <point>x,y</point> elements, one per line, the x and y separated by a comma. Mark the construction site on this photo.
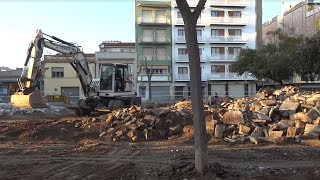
<point>274,134</point>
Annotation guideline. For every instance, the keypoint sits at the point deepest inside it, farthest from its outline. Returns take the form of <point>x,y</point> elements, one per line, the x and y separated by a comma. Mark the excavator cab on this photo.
<point>115,78</point>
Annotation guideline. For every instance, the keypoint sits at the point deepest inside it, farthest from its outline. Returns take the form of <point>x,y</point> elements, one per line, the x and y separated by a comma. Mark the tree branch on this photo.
<point>196,13</point>
<point>184,8</point>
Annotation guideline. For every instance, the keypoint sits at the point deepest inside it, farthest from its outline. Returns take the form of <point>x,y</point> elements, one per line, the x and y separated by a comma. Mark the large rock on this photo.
<point>232,117</point>
<point>290,106</point>
<point>301,116</point>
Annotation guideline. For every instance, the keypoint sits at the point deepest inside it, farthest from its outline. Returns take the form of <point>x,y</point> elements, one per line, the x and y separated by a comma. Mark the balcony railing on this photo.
<point>185,58</point>
<point>155,77</point>
<point>223,57</point>
<point>228,39</point>
<point>179,21</point>
<point>229,2</point>
<point>229,20</point>
<point>155,40</point>
<point>215,76</point>
<point>154,20</point>
<point>182,39</point>
<point>153,58</point>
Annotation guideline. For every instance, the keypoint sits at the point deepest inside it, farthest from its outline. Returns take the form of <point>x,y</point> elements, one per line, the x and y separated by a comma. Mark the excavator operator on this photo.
<point>119,81</point>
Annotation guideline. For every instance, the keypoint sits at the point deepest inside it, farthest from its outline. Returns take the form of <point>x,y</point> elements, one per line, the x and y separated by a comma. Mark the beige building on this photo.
<point>62,79</point>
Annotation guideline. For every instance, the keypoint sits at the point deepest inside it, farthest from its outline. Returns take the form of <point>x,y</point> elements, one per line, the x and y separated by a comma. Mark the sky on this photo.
<point>85,22</point>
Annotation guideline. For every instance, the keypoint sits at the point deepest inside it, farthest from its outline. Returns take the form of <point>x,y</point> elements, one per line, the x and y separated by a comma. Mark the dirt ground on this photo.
<point>38,147</point>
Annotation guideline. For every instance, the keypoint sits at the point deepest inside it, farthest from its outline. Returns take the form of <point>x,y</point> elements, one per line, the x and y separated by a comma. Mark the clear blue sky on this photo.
<point>85,22</point>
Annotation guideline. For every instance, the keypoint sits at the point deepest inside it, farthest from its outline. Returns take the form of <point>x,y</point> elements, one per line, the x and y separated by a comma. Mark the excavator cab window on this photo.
<point>106,77</point>
<point>120,75</point>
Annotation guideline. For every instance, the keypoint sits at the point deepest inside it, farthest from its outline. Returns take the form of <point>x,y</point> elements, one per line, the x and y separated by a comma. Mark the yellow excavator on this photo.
<point>112,89</point>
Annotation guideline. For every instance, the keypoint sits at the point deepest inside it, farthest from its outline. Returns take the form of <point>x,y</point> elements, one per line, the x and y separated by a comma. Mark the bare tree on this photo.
<point>190,24</point>
<point>148,69</point>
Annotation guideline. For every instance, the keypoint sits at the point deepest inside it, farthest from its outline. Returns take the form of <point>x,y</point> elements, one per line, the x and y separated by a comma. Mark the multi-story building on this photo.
<point>302,18</point>
<point>153,48</point>
<point>62,79</point>
<point>223,28</point>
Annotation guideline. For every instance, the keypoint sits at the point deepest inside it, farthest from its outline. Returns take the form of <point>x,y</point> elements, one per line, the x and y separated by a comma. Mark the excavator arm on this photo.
<point>28,96</point>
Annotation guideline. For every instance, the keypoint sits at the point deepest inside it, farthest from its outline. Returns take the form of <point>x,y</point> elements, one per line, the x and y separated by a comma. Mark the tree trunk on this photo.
<point>200,136</point>
<point>149,86</point>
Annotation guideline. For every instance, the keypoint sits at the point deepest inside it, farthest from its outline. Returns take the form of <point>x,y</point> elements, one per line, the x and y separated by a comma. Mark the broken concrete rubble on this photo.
<point>269,116</point>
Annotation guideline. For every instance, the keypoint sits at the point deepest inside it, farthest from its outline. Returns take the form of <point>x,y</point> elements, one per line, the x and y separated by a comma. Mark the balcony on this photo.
<point>155,77</point>
<point>182,39</point>
<point>229,21</point>
<point>154,21</point>
<point>222,57</point>
<point>230,3</point>
<point>180,22</point>
<point>185,59</point>
<point>229,76</point>
<point>154,40</point>
<point>215,76</point>
<point>229,39</point>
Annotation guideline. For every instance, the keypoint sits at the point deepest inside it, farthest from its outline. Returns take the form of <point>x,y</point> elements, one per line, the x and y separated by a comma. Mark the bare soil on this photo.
<point>41,147</point>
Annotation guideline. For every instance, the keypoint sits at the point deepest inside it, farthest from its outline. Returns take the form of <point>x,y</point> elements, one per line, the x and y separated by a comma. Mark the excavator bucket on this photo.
<point>33,100</point>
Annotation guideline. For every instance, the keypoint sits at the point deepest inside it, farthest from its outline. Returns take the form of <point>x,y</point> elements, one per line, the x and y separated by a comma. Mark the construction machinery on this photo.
<point>113,87</point>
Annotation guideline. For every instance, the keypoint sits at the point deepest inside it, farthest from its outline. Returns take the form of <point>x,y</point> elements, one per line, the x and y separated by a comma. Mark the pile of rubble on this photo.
<point>138,124</point>
<point>273,115</point>
<point>269,116</point>
<point>6,109</point>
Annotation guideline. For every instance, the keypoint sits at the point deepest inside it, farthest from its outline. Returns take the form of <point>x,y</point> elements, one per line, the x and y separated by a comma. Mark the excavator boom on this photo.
<point>28,95</point>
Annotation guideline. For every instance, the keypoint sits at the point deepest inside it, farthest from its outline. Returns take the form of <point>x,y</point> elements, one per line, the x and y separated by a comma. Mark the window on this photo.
<point>217,13</point>
<point>146,16</point>
<point>199,32</point>
<point>218,50</point>
<point>234,14</point>
<point>200,51</point>
<point>161,54</point>
<point>160,16</point>
<point>234,50</point>
<point>217,32</point>
<point>147,53</point>
<point>179,15</point>
<point>218,69</point>
<point>142,91</point>
<point>147,35</point>
<point>180,32</point>
<point>121,50</point>
<point>160,35</point>
<point>182,51</point>
<point>57,72</point>
<point>234,32</point>
<point>182,70</point>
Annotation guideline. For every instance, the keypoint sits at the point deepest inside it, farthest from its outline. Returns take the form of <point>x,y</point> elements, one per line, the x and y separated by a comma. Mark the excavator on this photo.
<point>111,90</point>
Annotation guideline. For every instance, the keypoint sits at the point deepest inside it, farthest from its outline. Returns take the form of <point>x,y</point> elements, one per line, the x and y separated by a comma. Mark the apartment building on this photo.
<point>153,49</point>
<point>223,28</point>
<point>302,18</point>
<point>62,79</point>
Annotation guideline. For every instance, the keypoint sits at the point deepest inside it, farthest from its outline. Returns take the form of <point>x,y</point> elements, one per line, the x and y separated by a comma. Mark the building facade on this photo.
<point>223,28</point>
<point>153,49</point>
<point>61,79</point>
<point>302,18</point>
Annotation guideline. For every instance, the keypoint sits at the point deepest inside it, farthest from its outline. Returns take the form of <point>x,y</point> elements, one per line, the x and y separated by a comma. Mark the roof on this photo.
<point>117,44</point>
